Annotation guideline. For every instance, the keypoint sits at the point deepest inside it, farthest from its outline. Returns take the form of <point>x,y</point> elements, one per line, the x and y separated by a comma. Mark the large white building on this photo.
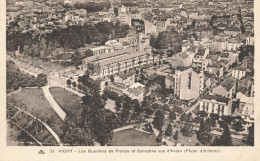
<point>187,84</point>
<point>216,104</point>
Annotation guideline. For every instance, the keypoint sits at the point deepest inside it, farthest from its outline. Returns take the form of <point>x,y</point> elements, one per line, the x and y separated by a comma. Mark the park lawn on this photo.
<point>12,134</point>
<point>68,101</point>
<point>37,105</point>
<point>131,137</point>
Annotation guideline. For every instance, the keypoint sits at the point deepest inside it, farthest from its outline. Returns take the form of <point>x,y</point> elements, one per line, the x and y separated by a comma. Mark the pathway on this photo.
<point>124,128</point>
<point>53,103</point>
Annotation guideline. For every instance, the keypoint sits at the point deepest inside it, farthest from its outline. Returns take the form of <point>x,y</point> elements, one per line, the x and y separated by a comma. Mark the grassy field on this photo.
<point>68,101</point>
<point>131,137</point>
<point>33,101</point>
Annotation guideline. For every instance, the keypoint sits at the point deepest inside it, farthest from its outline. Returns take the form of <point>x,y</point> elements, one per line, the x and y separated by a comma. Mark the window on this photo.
<point>189,81</point>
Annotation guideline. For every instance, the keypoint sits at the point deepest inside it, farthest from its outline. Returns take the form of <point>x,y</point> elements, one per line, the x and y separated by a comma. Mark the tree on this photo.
<point>41,80</point>
<point>158,120</point>
<point>210,123</point>
<point>118,105</point>
<point>172,115</point>
<point>237,126</point>
<point>74,85</point>
<point>159,138</point>
<point>214,116</point>
<point>245,51</point>
<point>125,115</point>
<point>148,111</point>
<point>186,130</point>
<point>202,113</point>
<point>197,119</point>
<point>79,86</point>
<point>104,97</point>
<point>148,127</point>
<point>136,105</point>
<point>68,82</point>
<point>176,135</point>
<point>73,134</point>
<point>94,117</point>
<point>227,119</point>
<point>155,106</point>
<point>112,78</point>
<point>250,138</point>
<point>185,117</point>
<point>168,131</point>
<point>203,134</point>
<point>225,138</point>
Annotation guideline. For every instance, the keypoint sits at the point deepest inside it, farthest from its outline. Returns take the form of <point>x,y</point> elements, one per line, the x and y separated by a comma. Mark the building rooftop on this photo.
<point>109,55</point>
<point>117,85</point>
<point>228,83</point>
<point>126,75</point>
<point>217,98</point>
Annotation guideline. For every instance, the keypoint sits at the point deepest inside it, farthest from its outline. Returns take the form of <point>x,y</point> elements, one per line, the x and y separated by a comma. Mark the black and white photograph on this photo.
<point>130,73</point>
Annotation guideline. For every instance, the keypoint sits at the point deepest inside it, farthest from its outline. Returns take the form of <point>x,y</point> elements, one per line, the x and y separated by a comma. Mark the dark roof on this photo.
<point>224,55</point>
<point>201,51</point>
<point>213,57</point>
<point>126,75</point>
<point>210,75</point>
<point>170,78</point>
<point>241,68</point>
<point>245,84</point>
<point>228,83</point>
<point>182,68</point>
<point>217,98</point>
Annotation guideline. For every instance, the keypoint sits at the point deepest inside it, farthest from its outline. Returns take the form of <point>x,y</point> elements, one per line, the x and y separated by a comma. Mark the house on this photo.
<point>246,86</point>
<point>245,94</point>
<point>239,72</point>
<point>227,88</point>
<point>150,28</point>
<point>116,87</point>
<point>249,26</point>
<point>232,31</point>
<point>193,15</point>
<point>101,50</point>
<point>209,79</point>
<point>225,64</point>
<point>216,104</point>
<point>136,91</point>
<point>250,40</point>
<point>127,78</point>
<point>216,68</point>
<point>183,59</point>
<point>206,32</point>
<point>202,53</point>
<point>169,82</point>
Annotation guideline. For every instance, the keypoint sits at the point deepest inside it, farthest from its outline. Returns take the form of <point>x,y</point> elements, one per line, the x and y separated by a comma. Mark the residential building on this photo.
<point>216,104</point>
<point>239,72</point>
<point>227,88</point>
<point>127,78</point>
<point>188,83</point>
